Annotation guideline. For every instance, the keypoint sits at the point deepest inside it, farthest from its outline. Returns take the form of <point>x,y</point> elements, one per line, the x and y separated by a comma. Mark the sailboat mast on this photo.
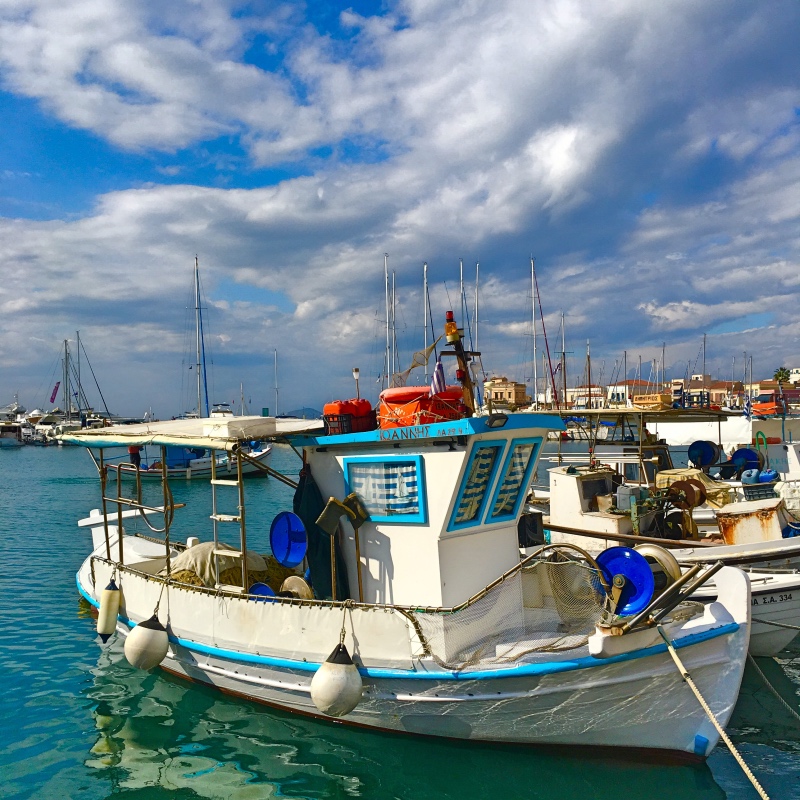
<point>387,366</point>
<point>477,285</point>
<point>198,343</point>
<point>425,313</point>
<point>276,382</point>
<point>533,327</point>
<point>394,323</point>
<point>564,359</point>
<point>589,373</point>
<point>67,404</point>
<point>80,386</point>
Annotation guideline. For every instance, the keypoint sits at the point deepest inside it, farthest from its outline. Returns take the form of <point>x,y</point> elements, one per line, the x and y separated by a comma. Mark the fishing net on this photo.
<point>547,605</point>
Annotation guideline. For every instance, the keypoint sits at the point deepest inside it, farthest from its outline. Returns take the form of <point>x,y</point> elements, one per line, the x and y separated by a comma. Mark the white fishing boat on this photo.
<point>416,574</point>
<point>775,599</point>
<point>183,462</point>
<point>587,508</point>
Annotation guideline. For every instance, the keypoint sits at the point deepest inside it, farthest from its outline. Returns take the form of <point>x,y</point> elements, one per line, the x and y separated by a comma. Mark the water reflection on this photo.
<point>159,733</point>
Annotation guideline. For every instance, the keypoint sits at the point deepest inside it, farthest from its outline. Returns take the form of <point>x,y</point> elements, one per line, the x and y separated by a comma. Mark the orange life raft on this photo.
<point>413,405</point>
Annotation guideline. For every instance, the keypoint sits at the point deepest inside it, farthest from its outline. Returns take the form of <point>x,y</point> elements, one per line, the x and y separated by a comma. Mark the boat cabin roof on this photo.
<point>218,433</point>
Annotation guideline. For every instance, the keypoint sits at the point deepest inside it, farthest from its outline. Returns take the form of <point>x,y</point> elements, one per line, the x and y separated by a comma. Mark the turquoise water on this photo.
<point>78,721</point>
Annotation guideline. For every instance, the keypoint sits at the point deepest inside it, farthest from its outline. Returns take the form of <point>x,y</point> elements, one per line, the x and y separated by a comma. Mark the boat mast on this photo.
<point>564,359</point>
<point>80,387</point>
<point>386,288</point>
<point>276,382</point>
<point>198,343</point>
<point>67,404</point>
<point>703,395</point>
<point>461,290</point>
<point>477,283</point>
<point>589,373</point>
<point>533,327</point>
<point>395,367</point>
<point>425,314</point>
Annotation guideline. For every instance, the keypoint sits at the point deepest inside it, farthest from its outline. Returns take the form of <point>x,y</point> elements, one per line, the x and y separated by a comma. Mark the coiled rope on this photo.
<point>772,688</point>
<point>720,730</point>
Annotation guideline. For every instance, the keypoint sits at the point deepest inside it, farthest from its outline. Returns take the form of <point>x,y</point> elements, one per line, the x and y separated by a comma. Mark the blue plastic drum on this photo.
<point>750,476</point>
<point>262,592</point>
<point>639,582</point>
<point>288,539</point>
<point>703,453</point>
<point>747,458</point>
<point>768,476</point>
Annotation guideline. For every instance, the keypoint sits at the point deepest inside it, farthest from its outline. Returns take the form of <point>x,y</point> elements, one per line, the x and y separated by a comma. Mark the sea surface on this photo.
<point>76,721</point>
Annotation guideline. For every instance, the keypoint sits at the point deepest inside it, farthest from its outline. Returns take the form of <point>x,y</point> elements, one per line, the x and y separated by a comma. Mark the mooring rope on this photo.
<point>778,624</point>
<point>720,730</point>
<point>772,688</point>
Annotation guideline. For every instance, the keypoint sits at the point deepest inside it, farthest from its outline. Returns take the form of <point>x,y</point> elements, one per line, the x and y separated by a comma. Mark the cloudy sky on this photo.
<point>645,153</point>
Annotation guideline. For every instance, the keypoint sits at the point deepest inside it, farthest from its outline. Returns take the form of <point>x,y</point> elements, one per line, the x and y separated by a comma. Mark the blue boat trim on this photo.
<point>468,426</point>
<point>521,670</point>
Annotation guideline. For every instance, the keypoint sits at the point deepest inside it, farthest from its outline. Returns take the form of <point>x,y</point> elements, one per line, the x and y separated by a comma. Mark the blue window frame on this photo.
<point>514,480</point>
<point>392,488</point>
<point>476,484</point>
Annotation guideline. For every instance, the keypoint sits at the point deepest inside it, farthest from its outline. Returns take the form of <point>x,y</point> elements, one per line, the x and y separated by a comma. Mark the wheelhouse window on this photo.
<point>514,480</point>
<point>475,485</point>
<point>391,489</point>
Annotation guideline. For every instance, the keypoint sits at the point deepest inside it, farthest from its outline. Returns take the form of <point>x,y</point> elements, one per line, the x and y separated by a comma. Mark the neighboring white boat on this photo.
<point>10,434</point>
<point>450,633</point>
<point>775,609</point>
<point>194,462</point>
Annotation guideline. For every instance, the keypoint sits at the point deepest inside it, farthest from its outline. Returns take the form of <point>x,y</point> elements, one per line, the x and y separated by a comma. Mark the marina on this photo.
<point>400,400</point>
<point>100,727</point>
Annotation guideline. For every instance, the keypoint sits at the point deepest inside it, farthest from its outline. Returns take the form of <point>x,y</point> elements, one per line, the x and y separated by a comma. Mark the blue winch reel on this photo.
<point>288,539</point>
<point>639,584</point>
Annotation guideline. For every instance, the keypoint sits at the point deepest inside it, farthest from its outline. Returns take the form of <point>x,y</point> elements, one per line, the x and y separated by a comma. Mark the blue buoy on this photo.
<point>287,539</point>
<point>639,584</point>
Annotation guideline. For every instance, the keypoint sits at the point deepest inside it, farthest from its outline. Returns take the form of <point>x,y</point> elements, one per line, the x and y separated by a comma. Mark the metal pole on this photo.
<point>80,390</point>
<point>276,383</point>
<point>533,327</point>
<point>424,318</point>
<point>242,526</point>
<point>477,289</point>
<point>386,287</point>
<point>198,363</point>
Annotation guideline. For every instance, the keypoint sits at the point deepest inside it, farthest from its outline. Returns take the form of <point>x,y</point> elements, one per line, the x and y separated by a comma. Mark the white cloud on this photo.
<point>493,130</point>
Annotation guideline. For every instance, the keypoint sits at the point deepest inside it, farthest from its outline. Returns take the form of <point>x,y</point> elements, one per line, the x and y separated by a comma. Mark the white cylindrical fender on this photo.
<point>108,611</point>
<point>147,644</point>
<point>336,686</point>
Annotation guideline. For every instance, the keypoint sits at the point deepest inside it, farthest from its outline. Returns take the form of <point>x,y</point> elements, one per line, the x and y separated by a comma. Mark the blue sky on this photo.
<point>646,154</point>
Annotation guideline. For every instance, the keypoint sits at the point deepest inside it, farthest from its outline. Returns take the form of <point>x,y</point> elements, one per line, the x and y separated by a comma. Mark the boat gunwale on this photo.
<point>525,669</point>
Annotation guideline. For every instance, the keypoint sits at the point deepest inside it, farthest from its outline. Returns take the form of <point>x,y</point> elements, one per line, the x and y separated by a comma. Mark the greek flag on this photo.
<point>748,408</point>
<point>437,382</point>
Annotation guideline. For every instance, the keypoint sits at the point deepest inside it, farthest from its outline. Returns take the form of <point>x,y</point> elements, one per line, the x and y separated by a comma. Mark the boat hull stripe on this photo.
<point>519,671</point>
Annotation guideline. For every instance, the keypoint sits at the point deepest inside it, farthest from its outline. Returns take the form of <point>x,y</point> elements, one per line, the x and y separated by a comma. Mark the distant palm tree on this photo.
<point>781,375</point>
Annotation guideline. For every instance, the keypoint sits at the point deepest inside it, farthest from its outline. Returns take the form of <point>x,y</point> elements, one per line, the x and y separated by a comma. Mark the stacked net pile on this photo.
<point>545,606</point>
